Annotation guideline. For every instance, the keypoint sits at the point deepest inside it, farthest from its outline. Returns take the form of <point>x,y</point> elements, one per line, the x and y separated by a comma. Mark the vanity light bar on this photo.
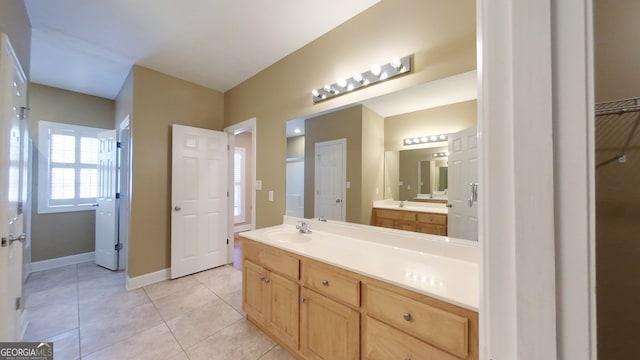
<point>376,74</point>
<point>440,154</point>
<point>425,139</point>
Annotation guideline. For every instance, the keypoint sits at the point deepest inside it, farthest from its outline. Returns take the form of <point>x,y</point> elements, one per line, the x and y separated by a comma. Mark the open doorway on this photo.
<point>242,179</point>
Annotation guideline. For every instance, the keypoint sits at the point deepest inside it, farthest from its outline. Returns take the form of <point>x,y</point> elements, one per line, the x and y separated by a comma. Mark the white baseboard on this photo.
<point>62,261</point>
<point>148,279</point>
<point>245,227</point>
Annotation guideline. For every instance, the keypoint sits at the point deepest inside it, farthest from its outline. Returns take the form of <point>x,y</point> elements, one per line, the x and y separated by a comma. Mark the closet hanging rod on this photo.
<point>618,106</point>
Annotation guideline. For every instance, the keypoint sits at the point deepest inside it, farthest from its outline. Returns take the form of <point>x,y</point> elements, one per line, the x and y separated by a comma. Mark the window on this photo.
<point>67,167</point>
<point>238,185</point>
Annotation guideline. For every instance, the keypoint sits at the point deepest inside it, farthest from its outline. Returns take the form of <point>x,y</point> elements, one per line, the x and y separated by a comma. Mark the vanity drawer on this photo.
<point>430,218</point>
<point>445,330</point>
<point>383,342</point>
<point>272,259</point>
<point>322,279</point>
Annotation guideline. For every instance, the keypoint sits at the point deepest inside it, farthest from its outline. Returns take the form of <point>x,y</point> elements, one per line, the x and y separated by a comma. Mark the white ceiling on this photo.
<point>90,46</point>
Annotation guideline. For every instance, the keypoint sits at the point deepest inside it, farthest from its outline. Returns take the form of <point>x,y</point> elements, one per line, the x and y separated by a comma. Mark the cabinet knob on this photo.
<point>407,316</point>
<point>407,358</point>
<point>302,299</point>
<point>325,282</point>
<point>266,281</point>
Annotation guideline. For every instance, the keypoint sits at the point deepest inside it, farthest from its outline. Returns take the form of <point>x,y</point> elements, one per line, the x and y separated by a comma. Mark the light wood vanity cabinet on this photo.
<point>321,312</point>
<point>424,222</point>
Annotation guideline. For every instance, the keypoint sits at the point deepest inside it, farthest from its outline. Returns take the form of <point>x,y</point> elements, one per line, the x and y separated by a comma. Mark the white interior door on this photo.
<point>463,185</point>
<point>199,198</point>
<point>330,179</point>
<point>106,205</point>
<point>12,105</point>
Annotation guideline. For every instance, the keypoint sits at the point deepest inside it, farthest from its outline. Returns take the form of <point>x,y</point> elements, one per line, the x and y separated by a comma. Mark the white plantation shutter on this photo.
<point>67,167</point>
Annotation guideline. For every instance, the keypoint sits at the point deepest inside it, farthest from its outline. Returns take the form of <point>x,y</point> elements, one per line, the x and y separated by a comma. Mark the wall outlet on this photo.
<point>270,195</point>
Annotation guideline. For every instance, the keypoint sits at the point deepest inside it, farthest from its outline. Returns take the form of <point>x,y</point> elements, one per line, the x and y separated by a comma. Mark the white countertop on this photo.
<point>436,266</point>
<point>412,206</point>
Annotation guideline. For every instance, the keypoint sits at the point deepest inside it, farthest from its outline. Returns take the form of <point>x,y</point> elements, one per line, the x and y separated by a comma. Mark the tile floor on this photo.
<point>88,314</point>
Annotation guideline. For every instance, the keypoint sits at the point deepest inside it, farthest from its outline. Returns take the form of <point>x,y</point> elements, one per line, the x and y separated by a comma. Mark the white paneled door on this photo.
<point>330,179</point>
<point>463,185</point>
<point>199,200</point>
<point>106,238</point>
<point>13,88</point>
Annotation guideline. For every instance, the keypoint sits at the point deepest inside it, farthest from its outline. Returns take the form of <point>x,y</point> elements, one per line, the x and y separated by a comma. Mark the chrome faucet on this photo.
<point>322,218</point>
<point>303,227</point>
<point>401,204</point>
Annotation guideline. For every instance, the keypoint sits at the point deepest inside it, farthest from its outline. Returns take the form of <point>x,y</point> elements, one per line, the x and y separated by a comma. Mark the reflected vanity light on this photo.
<point>425,139</point>
<point>440,154</point>
<point>376,74</point>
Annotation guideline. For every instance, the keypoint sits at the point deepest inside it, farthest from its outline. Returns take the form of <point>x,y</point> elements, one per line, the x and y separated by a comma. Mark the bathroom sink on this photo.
<point>287,236</point>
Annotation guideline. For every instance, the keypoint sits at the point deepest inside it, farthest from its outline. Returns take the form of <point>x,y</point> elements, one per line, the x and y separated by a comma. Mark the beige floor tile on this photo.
<point>152,344</point>
<point>101,330</point>
<point>277,353</point>
<point>93,304</point>
<point>179,303</point>
<point>170,287</point>
<point>50,319</point>
<point>66,346</point>
<point>234,299</point>
<point>59,294</point>
<point>240,341</point>
<point>203,275</point>
<point>89,270</point>
<point>202,322</point>
<point>223,282</point>
<point>52,278</point>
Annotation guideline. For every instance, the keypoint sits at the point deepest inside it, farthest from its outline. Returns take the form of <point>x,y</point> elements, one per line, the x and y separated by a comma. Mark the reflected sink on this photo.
<point>287,236</point>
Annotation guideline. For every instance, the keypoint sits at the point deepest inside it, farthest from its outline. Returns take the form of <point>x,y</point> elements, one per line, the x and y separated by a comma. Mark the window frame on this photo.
<point>45,128</point>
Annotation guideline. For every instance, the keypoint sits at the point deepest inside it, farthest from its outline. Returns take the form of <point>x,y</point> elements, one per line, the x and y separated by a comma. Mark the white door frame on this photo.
<point>535,108</point>
<point>124,188</point>
<point>244,126</point>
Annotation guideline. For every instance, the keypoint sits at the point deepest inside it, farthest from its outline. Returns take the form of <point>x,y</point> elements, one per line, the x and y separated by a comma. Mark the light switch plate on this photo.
<point>258,184</point>
<point>270,195</point>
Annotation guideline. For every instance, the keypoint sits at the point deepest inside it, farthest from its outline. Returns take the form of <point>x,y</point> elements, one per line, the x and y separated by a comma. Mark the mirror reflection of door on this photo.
<point>330,163</point>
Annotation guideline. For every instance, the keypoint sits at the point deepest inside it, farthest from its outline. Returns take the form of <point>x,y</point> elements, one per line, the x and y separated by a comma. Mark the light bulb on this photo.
<point>384,76</point>
<point>341,82</point>
<point>376,69</point>
<point>297,131</point>
<point>397,64</point>
<point>315,92</point>
<point>434,138</point>
<point>443,137</point>
<point>357,77</point>
<point>407,141</point>
<point>327,88</point>
<point>350,87</point>
<point>416,140</point>
<point>424,139</point>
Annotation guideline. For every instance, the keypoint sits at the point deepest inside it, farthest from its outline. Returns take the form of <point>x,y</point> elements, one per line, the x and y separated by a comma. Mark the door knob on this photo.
<point>177,208</point>
<point>95,205</point>
<point>449,205</point>
<point>7,241</point>
<point>338,201</point>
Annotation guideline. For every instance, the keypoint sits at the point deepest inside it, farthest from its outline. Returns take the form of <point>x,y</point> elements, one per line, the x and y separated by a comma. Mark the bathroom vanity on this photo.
<point>415,216</point>
<point>348,291</point>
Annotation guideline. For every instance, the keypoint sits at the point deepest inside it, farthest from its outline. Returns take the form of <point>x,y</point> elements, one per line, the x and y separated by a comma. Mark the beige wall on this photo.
<point>343,124</point>
<point>617,53</point>
<point>243,140</point>
<point>372,161</point>
<point>63,234</point>
<point>14,21</point>
<point>440,34</point>
<point>160,100</point>
<point>295,147</point>
<point>439,120</point>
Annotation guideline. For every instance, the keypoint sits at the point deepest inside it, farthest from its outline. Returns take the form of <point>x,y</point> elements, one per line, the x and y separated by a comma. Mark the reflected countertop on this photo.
<point>412,206</point>
<point>437,266</point>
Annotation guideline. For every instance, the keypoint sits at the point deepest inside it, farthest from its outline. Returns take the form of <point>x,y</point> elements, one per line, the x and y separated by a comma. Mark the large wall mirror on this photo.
<point>340,162</point>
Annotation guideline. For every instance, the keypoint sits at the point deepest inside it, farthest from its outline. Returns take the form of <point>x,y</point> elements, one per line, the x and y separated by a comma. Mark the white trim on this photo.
<point>148,279</point>
<point>245,227</point>
<point>62,261</point>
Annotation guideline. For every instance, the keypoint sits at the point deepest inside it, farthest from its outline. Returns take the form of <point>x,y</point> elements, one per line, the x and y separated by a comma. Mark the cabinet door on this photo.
<point>328,330</point>
<point>254,296</point>
<point>284,305</point>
